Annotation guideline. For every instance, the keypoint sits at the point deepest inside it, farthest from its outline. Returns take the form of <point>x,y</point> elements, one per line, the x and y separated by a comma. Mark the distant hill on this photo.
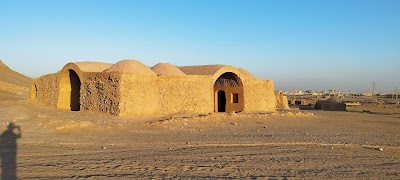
<point>12,81</point>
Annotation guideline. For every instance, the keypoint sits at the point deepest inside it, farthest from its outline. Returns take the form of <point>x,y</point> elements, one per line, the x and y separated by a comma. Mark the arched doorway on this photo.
<point>69,94</point>
<point>221,101</point>
<point>75,91</point>
<point>228,89</point>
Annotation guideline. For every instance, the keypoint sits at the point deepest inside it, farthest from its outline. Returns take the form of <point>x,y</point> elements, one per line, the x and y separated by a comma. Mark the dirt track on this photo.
<point>61,144</point>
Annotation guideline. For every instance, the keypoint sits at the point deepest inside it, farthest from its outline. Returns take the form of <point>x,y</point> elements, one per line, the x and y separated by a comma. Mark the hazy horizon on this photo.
<point>301,45</point>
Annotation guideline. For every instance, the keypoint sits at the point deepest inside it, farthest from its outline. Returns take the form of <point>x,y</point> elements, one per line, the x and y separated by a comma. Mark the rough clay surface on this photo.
<point>100,93</point>
<point>47,89</point>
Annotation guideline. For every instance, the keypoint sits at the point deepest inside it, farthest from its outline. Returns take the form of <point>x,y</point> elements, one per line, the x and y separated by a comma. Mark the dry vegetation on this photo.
<point>283,145</point>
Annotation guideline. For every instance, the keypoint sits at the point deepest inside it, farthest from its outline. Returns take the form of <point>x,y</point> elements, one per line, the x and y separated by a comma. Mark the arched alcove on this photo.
<point>228,90</point>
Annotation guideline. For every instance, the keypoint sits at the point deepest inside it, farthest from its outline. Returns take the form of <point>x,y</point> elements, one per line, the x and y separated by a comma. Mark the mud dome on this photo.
<point>130,88</point>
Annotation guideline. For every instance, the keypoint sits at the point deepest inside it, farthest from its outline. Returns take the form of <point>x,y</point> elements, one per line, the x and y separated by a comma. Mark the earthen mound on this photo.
<point>131,66</point>
<point>12,81</point>
<point>10,76</point>
<point>330,105</point>
<point>167,69</point>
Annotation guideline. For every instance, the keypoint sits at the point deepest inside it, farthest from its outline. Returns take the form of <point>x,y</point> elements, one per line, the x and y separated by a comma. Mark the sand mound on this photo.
<point>131,66</point>
<point>12,81</point>
<point>10,76</point>
<point>167,69</point>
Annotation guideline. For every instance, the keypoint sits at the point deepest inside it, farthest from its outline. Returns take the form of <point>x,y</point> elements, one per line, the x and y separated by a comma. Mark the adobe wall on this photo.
<point>185,94</point>
<point>156,96</point>
<point>259,95</point>
<point>138,95</point>
<point>47,89</point>
<point>100,92</point>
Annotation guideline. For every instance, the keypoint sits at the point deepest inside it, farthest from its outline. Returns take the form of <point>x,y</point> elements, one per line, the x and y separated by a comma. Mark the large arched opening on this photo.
<point>69,94</point>
<point>228,90</point>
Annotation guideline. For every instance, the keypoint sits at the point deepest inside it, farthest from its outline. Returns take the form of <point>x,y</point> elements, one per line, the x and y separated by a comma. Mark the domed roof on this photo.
<point>201,70</point>
<point>331,100</point>
<point>246,73</point>
<point>167,69</point>
<point>131,66</point>
<point>93,66</point>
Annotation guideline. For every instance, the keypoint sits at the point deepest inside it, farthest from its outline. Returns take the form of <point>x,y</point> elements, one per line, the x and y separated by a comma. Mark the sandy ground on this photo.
<point>58,144</point>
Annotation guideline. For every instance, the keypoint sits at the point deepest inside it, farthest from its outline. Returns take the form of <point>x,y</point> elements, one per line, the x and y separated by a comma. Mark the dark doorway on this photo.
<point>75,91</point>
<point>221,101</point>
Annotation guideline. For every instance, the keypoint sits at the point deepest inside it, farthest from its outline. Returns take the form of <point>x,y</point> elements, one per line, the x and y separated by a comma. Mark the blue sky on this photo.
<point>300,44</point>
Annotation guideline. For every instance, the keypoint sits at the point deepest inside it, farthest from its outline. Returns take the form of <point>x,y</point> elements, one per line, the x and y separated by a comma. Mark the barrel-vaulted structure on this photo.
<point>130,88</point>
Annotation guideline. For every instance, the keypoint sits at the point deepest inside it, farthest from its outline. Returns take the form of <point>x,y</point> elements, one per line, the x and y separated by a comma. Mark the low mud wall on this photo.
<point>45,89</point>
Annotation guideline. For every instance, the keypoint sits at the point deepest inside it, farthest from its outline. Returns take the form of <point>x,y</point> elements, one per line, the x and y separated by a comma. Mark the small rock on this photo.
<point>103,147</point>
<point>265,127</point>
<point>235,124</point>
<point>380,149</point>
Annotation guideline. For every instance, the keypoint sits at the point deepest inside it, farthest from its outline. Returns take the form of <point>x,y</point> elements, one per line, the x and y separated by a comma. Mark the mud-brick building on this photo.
<point>130,88</point>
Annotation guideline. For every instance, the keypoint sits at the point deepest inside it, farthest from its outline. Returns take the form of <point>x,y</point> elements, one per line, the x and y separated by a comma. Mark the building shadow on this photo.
<point>8,151</point>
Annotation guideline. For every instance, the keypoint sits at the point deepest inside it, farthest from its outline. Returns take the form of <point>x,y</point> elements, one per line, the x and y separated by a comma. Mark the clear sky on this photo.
<point>300,44</point>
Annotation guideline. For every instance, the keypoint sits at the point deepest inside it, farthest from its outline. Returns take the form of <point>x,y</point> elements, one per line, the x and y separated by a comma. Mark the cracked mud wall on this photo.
<point>47,87</point>
<point>100,92</point>
<point>259,95</point>
<point>185,94</point>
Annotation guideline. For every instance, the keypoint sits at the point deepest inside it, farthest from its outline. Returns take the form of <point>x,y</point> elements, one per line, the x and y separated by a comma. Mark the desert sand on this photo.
<point>292,144</point>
